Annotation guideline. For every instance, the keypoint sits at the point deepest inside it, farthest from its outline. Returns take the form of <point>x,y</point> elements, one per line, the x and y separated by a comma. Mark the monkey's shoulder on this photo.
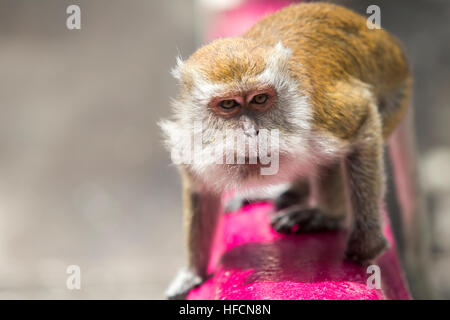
<point>332,40</point>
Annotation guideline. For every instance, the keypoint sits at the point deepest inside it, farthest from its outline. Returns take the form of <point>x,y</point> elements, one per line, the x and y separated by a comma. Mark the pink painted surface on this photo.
<point>252,261</point>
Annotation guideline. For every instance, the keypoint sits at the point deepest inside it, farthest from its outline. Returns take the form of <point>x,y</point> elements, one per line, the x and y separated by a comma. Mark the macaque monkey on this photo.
<point>333,88</point>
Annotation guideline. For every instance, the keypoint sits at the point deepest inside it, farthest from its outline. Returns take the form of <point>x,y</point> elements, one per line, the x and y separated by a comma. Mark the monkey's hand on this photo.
<point>364,247</point>
<point>184,281</point>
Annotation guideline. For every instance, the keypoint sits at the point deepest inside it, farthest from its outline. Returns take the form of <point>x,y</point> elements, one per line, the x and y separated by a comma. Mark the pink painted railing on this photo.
<point>252,261</point>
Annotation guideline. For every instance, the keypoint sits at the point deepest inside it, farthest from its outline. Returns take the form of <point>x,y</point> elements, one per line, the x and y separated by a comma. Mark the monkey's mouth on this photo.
<point>251,162</point>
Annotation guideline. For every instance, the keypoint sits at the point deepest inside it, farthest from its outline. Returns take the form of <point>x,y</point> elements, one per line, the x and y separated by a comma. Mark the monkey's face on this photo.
<point>240,117</point>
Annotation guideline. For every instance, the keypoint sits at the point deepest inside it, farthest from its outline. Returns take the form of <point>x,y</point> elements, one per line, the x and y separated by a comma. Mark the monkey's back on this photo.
<point>331,45</point>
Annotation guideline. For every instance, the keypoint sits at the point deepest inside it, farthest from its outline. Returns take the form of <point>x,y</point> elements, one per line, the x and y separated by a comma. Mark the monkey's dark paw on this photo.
<point>363,248</point>
<point>184,282</point>
<point>304,220</point>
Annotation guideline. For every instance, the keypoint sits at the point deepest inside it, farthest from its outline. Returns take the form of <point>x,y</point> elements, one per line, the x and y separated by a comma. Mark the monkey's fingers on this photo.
<point>297,219</point>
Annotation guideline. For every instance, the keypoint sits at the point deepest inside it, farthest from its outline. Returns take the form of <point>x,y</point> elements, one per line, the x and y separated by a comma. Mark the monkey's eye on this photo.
<point>260,98</point>
<point>228,104</point>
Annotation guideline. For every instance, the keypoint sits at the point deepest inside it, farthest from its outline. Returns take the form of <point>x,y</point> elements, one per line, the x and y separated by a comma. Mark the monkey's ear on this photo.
<point>176,71</point>
<point>281,53</point>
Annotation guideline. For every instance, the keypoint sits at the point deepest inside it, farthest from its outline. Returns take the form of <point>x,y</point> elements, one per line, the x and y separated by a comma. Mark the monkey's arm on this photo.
<point>201,212</point>
<point>365,179</point>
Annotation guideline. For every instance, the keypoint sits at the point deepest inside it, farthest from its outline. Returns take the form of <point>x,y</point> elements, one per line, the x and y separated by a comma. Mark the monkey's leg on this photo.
<point>201,210</point>
<point>365,179</point>
<point>329,213</point>
<point>331,197</point>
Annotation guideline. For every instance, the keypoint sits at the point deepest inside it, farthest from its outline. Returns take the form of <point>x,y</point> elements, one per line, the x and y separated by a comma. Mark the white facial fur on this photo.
<point>291,115</point>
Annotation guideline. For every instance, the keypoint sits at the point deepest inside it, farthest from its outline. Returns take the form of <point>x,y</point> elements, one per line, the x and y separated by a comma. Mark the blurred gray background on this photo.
<point>84,178</point>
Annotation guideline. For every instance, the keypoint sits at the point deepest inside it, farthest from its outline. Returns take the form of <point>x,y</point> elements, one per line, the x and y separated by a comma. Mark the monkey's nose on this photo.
<point>249,127</point>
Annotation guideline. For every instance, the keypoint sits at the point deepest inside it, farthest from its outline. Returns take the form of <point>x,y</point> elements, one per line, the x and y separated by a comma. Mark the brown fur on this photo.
<point>229,59</point>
